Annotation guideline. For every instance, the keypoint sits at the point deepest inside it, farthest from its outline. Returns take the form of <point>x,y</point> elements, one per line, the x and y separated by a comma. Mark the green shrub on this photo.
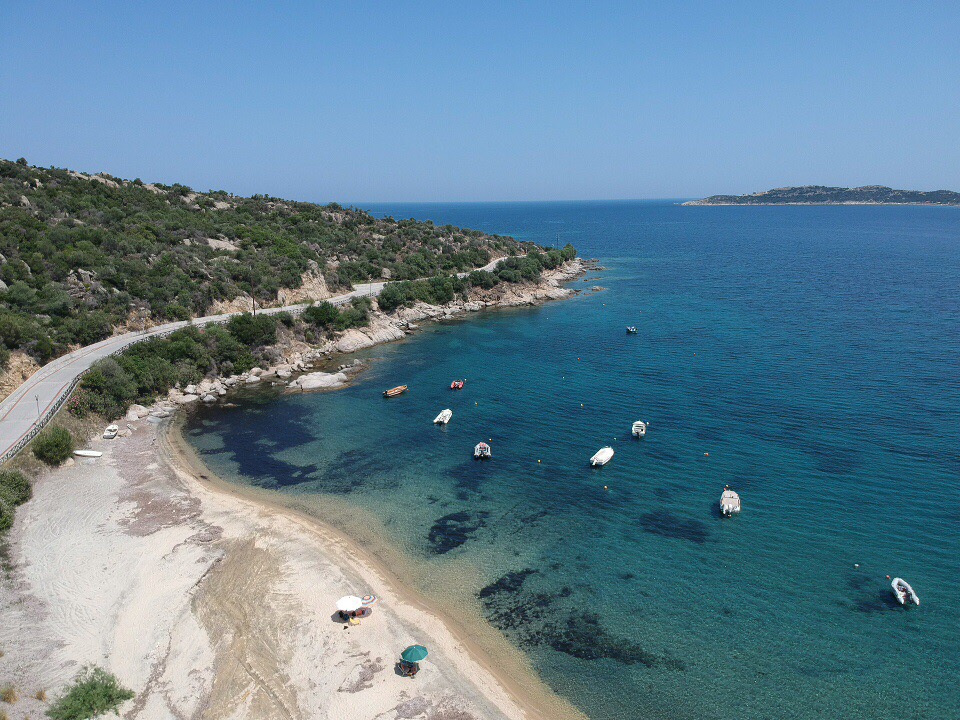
<point>326,316</point>
<point>53,445</point>
<point>6,515</point>
<point>323,315</point>
<point>107,389</point>
<point>94,692</point>
<point>14,487</point>
<point>253,330</point>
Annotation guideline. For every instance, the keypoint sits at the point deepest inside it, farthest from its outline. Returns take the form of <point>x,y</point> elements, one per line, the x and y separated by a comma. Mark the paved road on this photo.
<point>31,405</point>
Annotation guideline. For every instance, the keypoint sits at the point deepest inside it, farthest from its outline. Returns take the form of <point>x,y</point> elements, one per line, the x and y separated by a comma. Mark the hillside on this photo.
<point>84,256</point>
<point>822,195</point>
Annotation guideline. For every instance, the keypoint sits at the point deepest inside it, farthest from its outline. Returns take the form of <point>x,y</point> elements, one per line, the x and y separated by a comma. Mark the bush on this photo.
<point>322,315</point>
<point>325,315</point>
<point>53,445</point>
<point>14,487</point>
<point>107,389</point>
<point>94,692</point>
<point>6,515</point>
<point>253,330</point>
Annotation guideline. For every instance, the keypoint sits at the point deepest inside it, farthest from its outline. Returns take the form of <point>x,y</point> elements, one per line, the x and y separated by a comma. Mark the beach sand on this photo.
<point>210,601</point>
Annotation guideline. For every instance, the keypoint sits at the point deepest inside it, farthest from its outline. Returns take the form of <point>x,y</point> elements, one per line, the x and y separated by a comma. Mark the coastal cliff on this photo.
<point>823,195</point>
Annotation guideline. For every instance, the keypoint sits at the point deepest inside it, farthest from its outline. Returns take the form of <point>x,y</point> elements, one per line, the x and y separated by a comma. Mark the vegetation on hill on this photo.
<point>442,290</point>
<point>81,255</point>
<point>822,195</point>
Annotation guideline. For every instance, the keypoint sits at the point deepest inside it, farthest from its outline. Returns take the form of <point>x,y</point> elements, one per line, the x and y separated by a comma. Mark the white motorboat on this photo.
<point>729,502</point>
<point>444,417</point>
<point>111,432</point>
<point>602,457</point>
<point>639,429</point>
<point>87,453</point>
<point>903,591</point>
<point>482,451</point>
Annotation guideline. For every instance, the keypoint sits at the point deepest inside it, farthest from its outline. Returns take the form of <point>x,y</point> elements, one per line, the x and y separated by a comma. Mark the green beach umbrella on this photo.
<point>414,654</point>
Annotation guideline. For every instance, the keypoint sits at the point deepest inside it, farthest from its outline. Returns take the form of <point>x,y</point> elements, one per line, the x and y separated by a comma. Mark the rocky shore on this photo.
<point>295,361</point>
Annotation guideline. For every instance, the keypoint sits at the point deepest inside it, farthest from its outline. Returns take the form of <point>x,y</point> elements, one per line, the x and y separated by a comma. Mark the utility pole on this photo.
<point>37,398</point>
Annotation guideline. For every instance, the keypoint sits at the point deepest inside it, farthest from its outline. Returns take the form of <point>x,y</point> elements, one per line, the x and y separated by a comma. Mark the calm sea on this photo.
<point>807,356</point>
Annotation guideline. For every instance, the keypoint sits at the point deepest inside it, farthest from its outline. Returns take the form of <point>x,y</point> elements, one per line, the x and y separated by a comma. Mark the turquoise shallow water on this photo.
<point>812,352</point>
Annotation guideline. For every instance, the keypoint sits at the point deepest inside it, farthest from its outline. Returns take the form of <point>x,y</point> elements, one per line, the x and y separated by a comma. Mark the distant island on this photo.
<point>823,195</point>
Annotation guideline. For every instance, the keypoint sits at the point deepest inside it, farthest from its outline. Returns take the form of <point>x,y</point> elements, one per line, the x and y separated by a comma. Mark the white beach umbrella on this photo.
<point>349,603</point>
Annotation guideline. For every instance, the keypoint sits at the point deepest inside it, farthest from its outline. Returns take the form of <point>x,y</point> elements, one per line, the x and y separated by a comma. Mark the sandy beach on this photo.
<point>211,603</point>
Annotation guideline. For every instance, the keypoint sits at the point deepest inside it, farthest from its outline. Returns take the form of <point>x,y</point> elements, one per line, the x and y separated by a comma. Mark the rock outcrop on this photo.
<point>319,381</point>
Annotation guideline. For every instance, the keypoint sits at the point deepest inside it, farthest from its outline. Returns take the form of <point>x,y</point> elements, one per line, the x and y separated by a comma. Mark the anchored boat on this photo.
<point>393,392</point>
<point>603,456</point>
<point>482,451</point>
<point>729,502</point>
<point>639,429</point>
<point>457,384</point>
<point>444,417</point>
<point>903,591</point>
<point>631,330</point>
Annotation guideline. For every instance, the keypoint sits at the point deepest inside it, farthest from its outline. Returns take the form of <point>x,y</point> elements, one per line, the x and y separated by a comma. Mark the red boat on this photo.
<point>457,385</point>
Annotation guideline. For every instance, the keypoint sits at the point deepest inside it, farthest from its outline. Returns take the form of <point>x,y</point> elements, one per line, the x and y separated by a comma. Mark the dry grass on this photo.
<point>41,695</point>
<point>3,715</point>
<point>8,693</point>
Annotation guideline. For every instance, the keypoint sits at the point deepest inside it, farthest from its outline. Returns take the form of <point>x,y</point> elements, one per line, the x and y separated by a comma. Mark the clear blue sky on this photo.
<point>360,101</point>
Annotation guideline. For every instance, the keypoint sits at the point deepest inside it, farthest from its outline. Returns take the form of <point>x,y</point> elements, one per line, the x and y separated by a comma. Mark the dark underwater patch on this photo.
<point>509,583</point>
<point>453,530</point>
<point>666,524</point>
<point>533,618</point>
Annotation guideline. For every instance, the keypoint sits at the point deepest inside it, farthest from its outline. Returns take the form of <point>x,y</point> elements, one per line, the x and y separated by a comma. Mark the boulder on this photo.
<point>257,371</point>
<point>252,379</point>
<point>190,390</point>
<point>319,381</point>
<point>187,399</point>
<point>140,410</point>
<point>209,398</point>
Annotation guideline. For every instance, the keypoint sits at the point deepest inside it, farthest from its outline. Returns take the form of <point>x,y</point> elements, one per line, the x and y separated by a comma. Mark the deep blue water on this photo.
<point>811,351</point>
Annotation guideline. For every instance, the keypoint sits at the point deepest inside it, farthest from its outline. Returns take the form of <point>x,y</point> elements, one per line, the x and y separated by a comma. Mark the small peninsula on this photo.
<point>823,195</point>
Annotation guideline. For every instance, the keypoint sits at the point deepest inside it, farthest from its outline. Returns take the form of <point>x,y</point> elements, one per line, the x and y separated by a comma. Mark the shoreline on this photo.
<point>212,600</point>
<point>532,695</point>
<point>203,554</point>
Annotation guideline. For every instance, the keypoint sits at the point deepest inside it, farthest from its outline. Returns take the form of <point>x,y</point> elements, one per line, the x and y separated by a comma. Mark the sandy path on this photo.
<point>210,605</point>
